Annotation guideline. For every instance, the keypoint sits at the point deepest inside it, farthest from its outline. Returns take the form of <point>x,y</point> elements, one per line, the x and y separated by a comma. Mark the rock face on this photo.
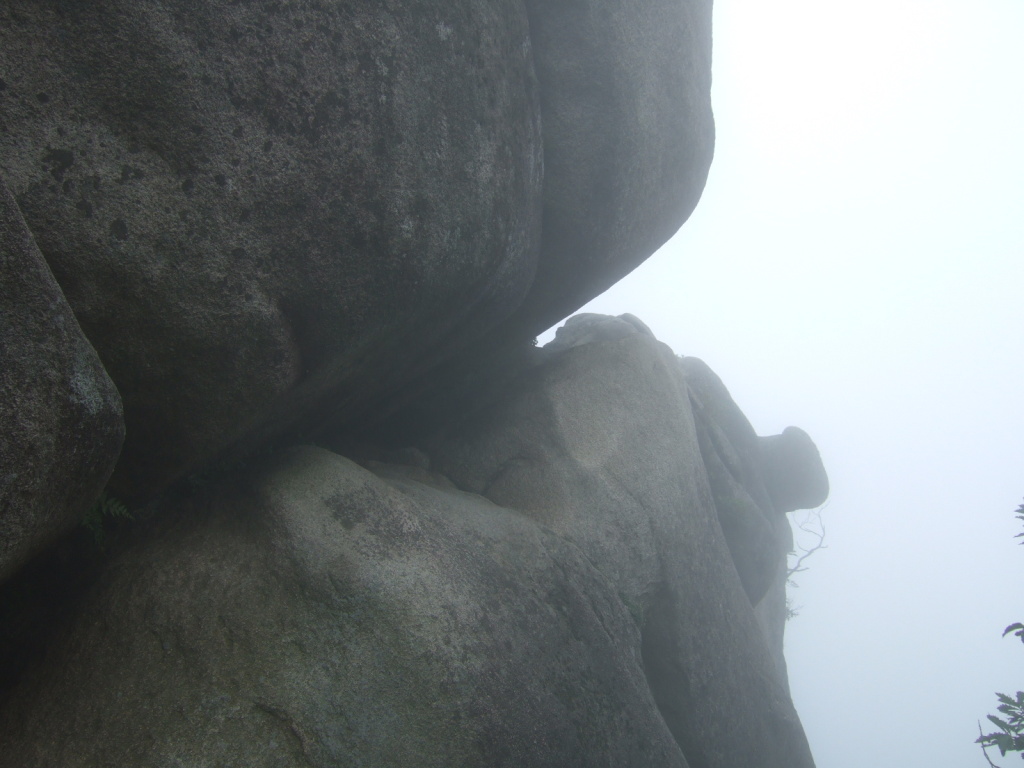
<point>279,221</point>
<point>332,618</point>
<point>556,589</point>
<point>251,205</point>
<point>608,444</point>
<point>60,414</point>
<point>267,216</point>
<point>793,475</point>
<point>628,136</point>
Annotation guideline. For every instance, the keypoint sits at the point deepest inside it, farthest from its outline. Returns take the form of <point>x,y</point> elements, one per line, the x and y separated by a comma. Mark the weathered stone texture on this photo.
<point>625,89</point>
<point>269,216</point>
<point>347,220</point>
<point>250,206</point>
<point>606,444</point>
<point>331,618</point>
<point>60,415</point>
<point>576,603</point>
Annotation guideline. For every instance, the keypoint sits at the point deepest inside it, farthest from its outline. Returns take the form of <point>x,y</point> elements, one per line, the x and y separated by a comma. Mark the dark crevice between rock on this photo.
<point>40,600</point>
<point>666,676</point>
<point>443,399</point>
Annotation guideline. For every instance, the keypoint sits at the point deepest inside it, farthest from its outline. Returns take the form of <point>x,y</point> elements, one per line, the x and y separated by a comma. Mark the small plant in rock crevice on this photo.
<point>107,509</point>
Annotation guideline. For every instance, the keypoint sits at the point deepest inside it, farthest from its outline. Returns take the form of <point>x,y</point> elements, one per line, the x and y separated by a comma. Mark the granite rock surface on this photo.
<point>61,418</point>
<point>269,217</point>
<point>548,582</point>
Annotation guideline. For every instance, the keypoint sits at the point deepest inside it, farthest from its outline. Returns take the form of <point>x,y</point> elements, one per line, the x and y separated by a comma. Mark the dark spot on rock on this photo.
<point>238,132</point>
<point>57,161</point>
<point>238,253</point>
<point>366,63</point>
<point>85,207</point>
<point>42,98</point>
<point>421,208</point>
<point>128,173</point>
<point>220,178</point>
<point>268,145</point>
<point>245,215</point>
<point>206,80</point>
<point>119,229</point>
<point>323,114</point>
<point>198,130</point>
<point>379,209</point>
<point>187,185</point>
<point>3,85</point>
<point>345,512</point>
<point>357,240</point>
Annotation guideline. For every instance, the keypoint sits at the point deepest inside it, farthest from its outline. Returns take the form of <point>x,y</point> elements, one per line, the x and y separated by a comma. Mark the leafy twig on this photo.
<point>1010,736</point>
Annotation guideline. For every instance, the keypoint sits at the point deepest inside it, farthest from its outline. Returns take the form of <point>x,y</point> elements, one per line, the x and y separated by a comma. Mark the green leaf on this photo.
<point>999,722</point>
<point>1004,742</point>
<point>106,507</point>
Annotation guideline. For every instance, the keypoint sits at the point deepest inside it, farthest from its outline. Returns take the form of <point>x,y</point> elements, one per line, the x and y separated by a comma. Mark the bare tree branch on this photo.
<point>984,747</point>
<point>814,526</point>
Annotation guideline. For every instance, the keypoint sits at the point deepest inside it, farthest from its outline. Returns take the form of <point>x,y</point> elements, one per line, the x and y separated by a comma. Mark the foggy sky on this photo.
<point>856,267</point>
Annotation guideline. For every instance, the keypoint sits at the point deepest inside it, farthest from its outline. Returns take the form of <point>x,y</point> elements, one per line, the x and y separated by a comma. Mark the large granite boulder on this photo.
<point>794,476</point>
<point>250,206</point>
<point>755,481</point>
<point>266,216</point>
<point>545,583</point>
<point>60,416</point>
<point>645,461</point>
<point>625,89</point>
<point>329,617</point>
<point>754,529</point>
